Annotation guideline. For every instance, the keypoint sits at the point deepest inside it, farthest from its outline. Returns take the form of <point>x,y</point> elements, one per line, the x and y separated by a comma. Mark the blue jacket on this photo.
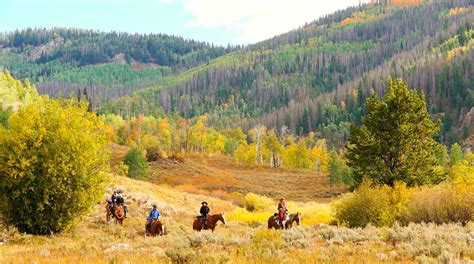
<point>154,214</point>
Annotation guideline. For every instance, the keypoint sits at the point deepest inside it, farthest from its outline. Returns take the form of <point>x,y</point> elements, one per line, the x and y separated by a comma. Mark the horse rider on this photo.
<point>204,211</point>
<point>117,198</point>
<point>153,215</point>
<point>113,201</point>
<point>282,212</point>
<point>121,201</point>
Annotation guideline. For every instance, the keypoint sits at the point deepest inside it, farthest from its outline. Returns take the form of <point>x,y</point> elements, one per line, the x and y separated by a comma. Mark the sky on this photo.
<point>220,22</point>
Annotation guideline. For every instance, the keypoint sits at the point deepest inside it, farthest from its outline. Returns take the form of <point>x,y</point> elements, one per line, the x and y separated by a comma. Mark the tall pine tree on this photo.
<point>395,141</point>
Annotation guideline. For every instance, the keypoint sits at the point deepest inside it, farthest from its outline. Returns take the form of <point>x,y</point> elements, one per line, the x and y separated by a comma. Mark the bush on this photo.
<point>379,205</point>
<point>177,157</point>
<point>136,162</point>
<point>448,202</point>
<point>51,165</point>
<point>153,153</point>
<point>122,169</point>
<point>254,202</point>
<point>152,148</point>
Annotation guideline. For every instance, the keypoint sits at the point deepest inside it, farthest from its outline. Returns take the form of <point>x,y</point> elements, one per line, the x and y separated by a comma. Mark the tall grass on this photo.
<point>259,208</point>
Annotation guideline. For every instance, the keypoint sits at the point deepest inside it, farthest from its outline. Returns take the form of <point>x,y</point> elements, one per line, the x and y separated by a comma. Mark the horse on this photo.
<point>273,221</point>
<point>211,222</point>
<point>291,219</point>
<point>155,228</point>
<point>118,212</point>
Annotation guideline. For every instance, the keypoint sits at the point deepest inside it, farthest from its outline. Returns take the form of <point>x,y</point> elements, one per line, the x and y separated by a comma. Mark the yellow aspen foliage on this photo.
<point>297,157</point>
<point>14,93</point>
<point>320,156</point>
<point>52,164</point>
<point>245,154</point>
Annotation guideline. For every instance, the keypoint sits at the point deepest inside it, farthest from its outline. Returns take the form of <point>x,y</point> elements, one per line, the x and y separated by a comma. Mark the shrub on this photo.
<point>51,165</point>
<point>153,153</point>
<point>254,202</point>
<point>448,202</point>
<point>379,205</point>
<point>152,148</point>
<point>177,157</point>
<point>136,162</point>
<point>122,169</point>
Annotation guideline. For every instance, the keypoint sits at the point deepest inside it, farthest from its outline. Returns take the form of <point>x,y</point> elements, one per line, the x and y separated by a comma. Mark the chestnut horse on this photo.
<point>117,212</point>
<point>156,228</point>
<point>274,223</point>
<point>211,222</point>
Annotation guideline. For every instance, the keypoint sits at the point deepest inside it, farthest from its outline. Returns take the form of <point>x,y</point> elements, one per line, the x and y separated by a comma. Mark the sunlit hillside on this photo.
<point>240,241</point>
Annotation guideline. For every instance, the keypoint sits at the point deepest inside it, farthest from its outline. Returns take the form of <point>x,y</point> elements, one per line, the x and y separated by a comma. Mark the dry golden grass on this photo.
<point>222,174</point>
<point>245,238</point>
<point>240,241</point>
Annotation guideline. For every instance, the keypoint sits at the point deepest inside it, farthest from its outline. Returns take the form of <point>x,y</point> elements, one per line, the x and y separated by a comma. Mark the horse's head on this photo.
<point>298,218</point>
<point>222,218</point>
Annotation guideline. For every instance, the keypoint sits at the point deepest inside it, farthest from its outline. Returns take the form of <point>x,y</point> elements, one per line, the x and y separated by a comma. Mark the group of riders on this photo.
<point>117,199</point>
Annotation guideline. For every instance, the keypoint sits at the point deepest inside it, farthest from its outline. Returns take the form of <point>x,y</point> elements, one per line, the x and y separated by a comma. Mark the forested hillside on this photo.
<point>61,60</point>
<point>316,78</point>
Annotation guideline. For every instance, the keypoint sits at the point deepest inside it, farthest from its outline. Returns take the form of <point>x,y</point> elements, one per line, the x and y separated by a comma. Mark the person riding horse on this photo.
<point>117,198</point>
<point>204,211</point>
<point>282,212</point>
<point>152,216</point>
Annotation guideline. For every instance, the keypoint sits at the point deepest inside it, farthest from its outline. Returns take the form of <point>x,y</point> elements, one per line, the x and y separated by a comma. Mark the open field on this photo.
<point>223,174</point>
<point>240,241</point>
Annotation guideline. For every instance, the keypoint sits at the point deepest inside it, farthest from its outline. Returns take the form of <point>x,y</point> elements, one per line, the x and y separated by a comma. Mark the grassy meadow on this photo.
<point>245,238</point>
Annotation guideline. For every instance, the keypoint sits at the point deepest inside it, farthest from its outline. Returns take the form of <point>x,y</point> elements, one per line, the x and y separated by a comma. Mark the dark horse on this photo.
<point>211,222</point>
<point>117,212</point>
<point>155,228</point>
<point>274,223</point>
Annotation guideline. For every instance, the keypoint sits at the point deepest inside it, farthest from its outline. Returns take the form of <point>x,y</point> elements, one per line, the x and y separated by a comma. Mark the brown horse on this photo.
<point>273,221</point>
<point>291,219</point>
<point>117,212</point>
<point>211,222</point>
<point>155,228</point>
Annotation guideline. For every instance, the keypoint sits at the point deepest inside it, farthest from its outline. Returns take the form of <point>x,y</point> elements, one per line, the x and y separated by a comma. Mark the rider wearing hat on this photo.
<point>204,211</point>
<point>153,215</point>
<point>282,210</point>
<point>113,200</point>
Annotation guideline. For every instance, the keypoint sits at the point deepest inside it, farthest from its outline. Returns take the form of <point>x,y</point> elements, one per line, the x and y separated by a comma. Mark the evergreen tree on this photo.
<point>395,141</point>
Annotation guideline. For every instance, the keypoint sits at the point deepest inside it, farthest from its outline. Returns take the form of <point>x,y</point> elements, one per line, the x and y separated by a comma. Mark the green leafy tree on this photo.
<point>339,172</point>
<point>136,162</point>
<point>455,154</point>
<point>52,160</point>
<point>4,114</point>
<point>395,141</point>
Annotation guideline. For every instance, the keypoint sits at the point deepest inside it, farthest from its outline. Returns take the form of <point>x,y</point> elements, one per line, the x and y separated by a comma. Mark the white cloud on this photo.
<point>256,20</point>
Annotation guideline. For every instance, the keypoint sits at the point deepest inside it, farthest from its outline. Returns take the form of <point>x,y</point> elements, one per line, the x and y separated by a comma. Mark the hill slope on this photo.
<point>62,60</point>
<point>95,241</point>
<point>317,77</point>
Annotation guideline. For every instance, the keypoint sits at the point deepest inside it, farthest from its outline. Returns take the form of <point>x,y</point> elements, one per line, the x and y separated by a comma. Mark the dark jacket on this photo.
<point>282,207</point>
<point>120,200</point>
<point>114,198</point>
<point>204,210</point>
